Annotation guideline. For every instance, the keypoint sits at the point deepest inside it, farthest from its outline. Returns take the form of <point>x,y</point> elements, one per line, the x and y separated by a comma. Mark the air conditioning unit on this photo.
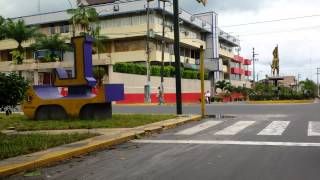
<point>192,18</point>
<point>186,33</point>
<point>116,7</point>
<point>204,24</point>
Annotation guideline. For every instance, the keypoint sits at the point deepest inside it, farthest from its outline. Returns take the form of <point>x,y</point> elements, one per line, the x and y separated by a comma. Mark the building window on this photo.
<point>52,30</point>
<point>64,29</point>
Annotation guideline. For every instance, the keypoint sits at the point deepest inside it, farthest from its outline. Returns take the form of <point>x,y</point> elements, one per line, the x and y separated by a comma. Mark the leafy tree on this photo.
<point>2,27</point>
<point>309,88</point>
<point>99,40</point>
<point>222,85</point>
<point>99,72</point>
<point>13,90</point>
<point>83,15</point>
<point>51,43</point>
<point>20,32</point>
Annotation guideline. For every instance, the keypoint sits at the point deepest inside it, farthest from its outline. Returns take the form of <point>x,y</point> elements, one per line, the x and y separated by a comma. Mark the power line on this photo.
<point>282,31</point>
<point>274,20</point>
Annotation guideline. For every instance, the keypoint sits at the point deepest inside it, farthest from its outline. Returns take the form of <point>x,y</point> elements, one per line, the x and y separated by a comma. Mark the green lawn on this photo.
<point>21,123</point>
<point>15,145</point>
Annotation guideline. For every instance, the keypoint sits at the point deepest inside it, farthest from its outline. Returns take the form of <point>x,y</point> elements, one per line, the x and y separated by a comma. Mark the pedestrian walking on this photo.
<point>160,95</point>
<point>208,96</point>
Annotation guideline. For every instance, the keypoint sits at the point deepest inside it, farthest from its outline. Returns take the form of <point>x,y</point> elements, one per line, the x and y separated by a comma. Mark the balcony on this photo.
<point>247,62</point>
<point>236,70</point>
<point>226,52</point>
<point>32,64</point>
<point>248,73</point>
<point>238,59</point>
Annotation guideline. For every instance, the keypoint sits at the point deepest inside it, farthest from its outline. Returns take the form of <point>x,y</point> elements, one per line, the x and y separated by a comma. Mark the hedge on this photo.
<point>168,71</point>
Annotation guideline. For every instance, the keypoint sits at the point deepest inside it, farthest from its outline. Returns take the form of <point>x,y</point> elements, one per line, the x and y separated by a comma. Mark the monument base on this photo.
<point>275,79</point>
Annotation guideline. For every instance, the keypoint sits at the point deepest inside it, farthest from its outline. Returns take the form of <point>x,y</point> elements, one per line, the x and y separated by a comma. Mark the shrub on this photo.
<point>131,68</point>
<point>155,70</point>
<point>120,67</point>
<point>13,89</point>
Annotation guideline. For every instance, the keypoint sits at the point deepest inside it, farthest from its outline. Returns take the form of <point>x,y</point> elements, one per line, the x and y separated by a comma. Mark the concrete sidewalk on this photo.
<point>109,137</point>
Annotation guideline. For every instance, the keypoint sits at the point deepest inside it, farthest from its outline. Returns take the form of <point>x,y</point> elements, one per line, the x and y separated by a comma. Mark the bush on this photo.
<point>120,67</point>
<point>155,71</point>
<point>131,68</point>
<point>140,69</point>
<point>168,71</point>
<point>13,89</point>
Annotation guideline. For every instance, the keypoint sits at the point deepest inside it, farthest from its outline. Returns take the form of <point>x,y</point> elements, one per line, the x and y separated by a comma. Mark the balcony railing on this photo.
<point>247,73</point>
<point>247,62</point>
<point>236,70</point>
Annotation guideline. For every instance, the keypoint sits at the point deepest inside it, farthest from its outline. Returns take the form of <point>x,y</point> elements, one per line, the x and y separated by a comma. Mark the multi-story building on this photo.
<point>125,25</point>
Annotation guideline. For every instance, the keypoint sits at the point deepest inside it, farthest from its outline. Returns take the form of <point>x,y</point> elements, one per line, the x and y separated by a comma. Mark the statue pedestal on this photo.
<point>275,80</point>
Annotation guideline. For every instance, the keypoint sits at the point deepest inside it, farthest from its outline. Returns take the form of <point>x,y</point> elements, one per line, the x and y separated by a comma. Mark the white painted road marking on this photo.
<point>198,128</point>
<point>314,128</point>
<point>235,128</point>
<point>276,128</point>
<point>245,143</point>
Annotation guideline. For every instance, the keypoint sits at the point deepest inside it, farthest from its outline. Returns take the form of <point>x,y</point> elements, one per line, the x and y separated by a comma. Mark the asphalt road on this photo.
<point>263,142</point>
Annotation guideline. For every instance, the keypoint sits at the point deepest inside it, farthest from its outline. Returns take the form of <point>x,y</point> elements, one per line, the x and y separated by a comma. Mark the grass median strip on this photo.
<point>21,123</point>
<point>15,145</point>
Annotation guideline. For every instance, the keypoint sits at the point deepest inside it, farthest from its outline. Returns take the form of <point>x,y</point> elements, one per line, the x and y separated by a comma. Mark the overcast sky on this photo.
<point>297,39</point>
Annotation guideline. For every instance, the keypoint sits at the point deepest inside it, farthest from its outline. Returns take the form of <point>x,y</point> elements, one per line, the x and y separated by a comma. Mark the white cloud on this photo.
<point>298,48</point>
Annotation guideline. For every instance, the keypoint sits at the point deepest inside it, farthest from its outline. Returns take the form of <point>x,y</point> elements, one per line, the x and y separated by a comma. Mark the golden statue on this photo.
<point>275,62</point>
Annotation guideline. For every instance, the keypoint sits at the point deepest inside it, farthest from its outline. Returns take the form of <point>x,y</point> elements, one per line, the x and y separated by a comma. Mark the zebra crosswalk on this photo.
<point>276,128</point>
<point>235,128</point>
<point>272,128</point>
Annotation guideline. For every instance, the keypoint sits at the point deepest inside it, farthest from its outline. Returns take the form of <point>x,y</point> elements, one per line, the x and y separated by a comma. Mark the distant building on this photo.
<point>288,81</point>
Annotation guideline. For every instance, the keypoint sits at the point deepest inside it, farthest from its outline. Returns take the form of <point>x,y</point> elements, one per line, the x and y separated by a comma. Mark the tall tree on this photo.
<point>20,32</point>
<point>2,28</point>
<point>83,15</point>
<point>51,43</point>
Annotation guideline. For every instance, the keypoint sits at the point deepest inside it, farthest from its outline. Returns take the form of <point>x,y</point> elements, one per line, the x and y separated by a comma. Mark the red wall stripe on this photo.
<point>168,97</point>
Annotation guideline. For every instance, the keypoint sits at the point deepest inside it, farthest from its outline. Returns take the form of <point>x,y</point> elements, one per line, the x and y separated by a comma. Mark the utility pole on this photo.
<point>254,66</point>
<point>318,73</point>
<point>177,55</point>
<point>203,106</point>
<point>177,52</point>
<point>163,48</point>
<point>299,76</point>
<point>147,88</point>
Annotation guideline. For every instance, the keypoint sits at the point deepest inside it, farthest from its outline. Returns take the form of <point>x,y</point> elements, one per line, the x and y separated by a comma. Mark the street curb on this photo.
<point>282,102</point>
<point>100,144</point>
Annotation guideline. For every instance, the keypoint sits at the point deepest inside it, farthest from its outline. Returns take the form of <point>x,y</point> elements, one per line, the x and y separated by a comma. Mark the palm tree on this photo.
<point>20,32</point>
<point>2,28</point>
<point>83,15</point>
<point>51,43</point>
